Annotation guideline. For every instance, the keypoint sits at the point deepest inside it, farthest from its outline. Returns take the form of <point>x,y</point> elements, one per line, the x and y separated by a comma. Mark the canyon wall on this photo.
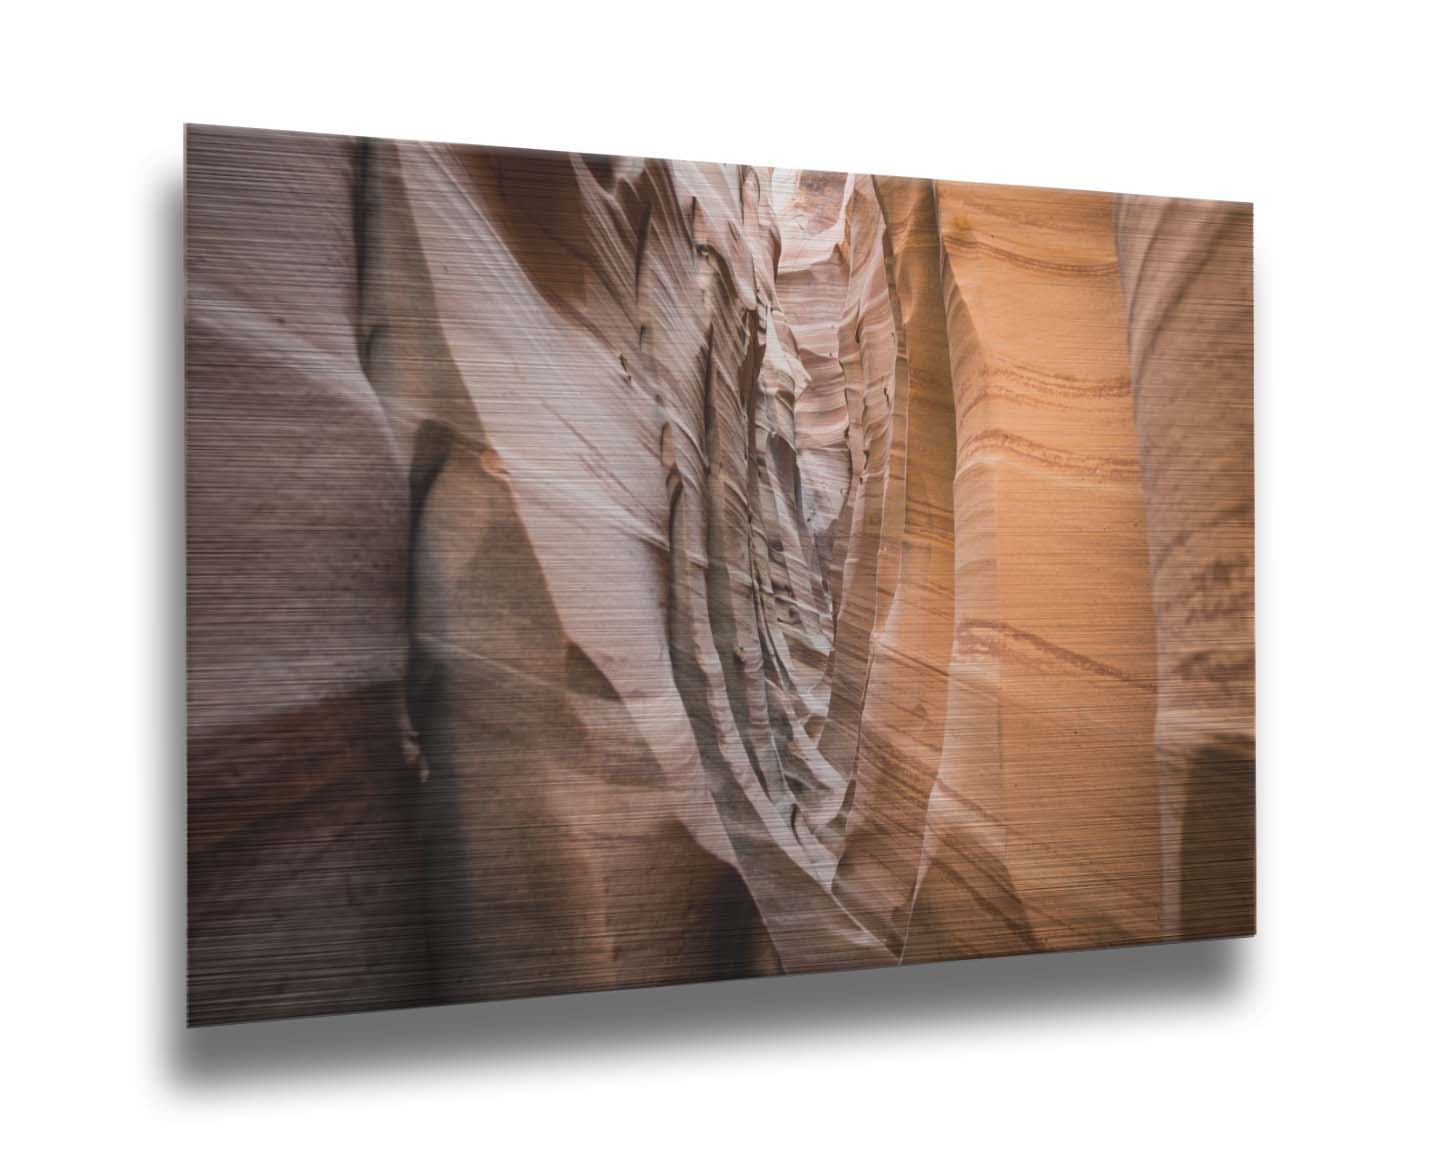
<point>606,572</point>
<point>1187,267</point>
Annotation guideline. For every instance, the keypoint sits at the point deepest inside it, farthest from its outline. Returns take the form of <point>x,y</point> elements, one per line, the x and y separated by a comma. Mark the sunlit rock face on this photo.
<point>607,572</point>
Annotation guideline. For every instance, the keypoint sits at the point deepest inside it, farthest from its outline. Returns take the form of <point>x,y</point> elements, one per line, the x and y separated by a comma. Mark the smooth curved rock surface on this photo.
<point>1186,267</point>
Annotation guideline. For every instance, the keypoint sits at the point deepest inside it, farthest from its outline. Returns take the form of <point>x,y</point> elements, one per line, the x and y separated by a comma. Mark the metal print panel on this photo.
<point>606,572</point>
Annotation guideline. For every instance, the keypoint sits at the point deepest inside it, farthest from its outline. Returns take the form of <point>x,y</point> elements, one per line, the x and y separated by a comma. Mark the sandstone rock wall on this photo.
<point>1187,266</point>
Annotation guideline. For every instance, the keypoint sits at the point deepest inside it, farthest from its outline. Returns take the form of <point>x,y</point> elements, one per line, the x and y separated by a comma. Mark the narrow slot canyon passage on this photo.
<point>658,572</point>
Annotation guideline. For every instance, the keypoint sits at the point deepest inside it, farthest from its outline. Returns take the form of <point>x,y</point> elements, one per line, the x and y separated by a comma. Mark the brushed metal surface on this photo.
<point>605,572</point>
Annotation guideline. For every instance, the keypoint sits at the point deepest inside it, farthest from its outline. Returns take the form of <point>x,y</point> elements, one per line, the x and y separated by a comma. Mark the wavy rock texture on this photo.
<point>1187,271</point>
<point>607,572</point>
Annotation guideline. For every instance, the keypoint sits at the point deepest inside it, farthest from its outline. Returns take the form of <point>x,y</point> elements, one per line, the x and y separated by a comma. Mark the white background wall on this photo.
<point>1323,1028</point>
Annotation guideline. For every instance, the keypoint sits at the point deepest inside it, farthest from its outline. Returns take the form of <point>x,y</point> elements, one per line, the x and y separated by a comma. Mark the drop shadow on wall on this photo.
<point>845,1005</point>
<point>884,1005</point>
